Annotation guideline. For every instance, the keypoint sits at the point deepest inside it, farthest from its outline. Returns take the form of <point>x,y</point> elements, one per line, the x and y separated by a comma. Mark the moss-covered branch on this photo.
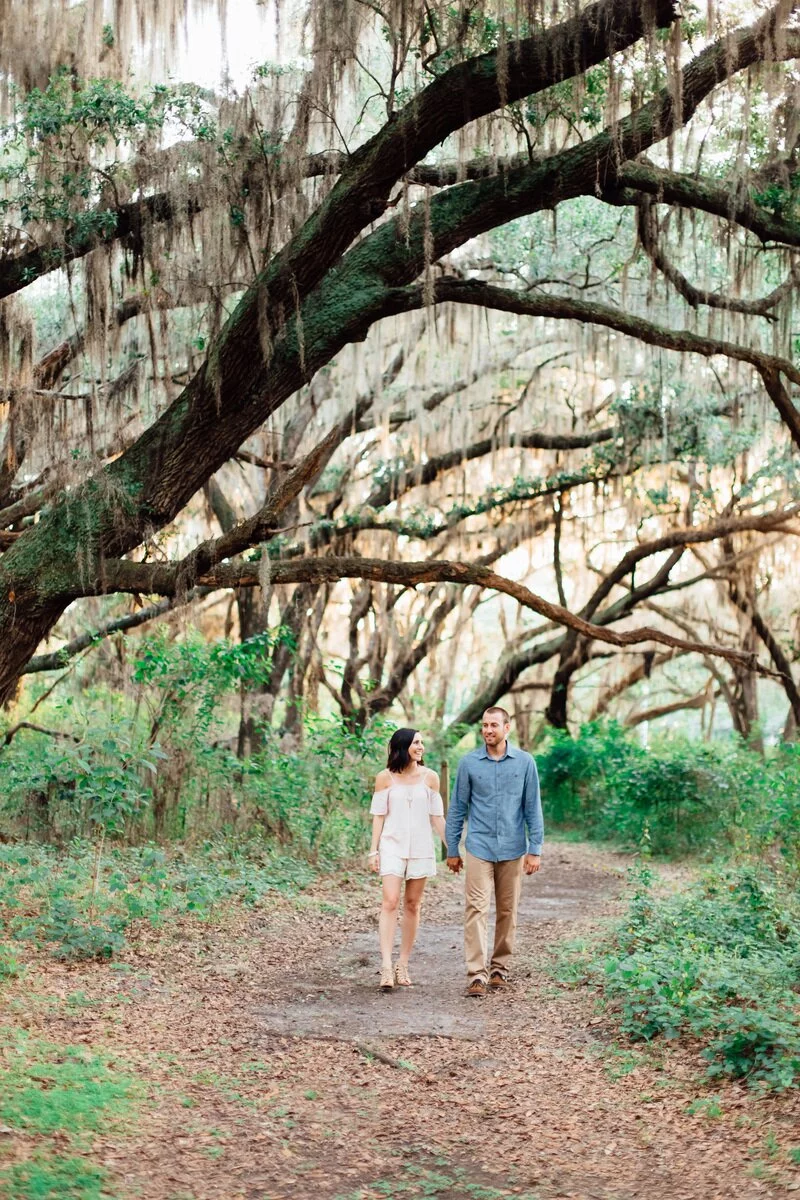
<point>314,297</point>
<point>137,576</point>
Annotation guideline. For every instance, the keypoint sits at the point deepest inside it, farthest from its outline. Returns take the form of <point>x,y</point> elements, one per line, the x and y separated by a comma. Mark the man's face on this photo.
<point>494,729</point>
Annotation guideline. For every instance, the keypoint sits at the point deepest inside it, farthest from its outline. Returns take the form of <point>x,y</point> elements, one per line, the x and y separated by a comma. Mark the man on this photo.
<point>497,792</point>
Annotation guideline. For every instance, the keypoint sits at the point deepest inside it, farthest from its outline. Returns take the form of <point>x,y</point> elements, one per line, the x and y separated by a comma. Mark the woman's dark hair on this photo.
<point>399,742</point>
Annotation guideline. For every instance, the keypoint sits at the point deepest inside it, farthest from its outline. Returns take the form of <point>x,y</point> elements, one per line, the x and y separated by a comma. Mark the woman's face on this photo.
<point>417,748</point>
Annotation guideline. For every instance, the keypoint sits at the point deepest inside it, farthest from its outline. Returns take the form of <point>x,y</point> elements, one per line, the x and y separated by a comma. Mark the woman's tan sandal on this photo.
<point>387,980</point>
<point>401,976</point>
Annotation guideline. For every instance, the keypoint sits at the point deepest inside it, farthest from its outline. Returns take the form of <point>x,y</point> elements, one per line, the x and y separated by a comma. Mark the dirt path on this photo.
<point>276,1070</point>
<point>337,996</point>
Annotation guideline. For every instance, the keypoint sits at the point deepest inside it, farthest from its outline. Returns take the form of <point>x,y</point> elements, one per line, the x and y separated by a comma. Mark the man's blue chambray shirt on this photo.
<point>499,798</point>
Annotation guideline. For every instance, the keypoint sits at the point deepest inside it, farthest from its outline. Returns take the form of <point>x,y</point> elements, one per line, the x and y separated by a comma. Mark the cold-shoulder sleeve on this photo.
<point>435,805</point>
<point>380,803</point>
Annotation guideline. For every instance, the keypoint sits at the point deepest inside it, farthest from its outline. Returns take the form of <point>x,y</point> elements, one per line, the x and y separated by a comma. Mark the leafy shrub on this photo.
<point>100,782</point>
<point>81,904</point>
<point>9,964</point>
<point>159,761</point>
<point>315,797</point>
<point>688,797</point>
<point>76,934</point>
<point>719,962</point>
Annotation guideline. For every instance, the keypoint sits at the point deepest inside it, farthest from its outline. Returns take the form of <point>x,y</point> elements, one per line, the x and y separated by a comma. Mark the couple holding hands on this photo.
<point>497,793</point>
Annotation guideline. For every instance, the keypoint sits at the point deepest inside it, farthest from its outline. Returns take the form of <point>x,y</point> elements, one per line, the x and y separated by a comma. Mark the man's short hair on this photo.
<point>501,712</point>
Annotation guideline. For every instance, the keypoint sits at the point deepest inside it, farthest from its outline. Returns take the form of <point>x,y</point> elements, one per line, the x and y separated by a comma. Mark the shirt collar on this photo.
<point>510,752</point>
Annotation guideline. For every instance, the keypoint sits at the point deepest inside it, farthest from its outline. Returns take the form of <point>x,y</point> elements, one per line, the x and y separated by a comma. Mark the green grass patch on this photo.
<point>51,1178</point>
<point>47,1089</point>
<point>55,1094</point>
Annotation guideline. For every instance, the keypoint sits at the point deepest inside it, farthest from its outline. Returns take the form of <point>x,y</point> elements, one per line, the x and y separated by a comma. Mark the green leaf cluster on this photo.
<point>81,903</point>
<point>686,797</point>
<point>719,963</point>
<point>66,147</point>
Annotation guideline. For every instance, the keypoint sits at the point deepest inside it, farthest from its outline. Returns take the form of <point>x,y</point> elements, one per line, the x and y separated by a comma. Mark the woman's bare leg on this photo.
<point>412,907</point>
<point>387,921</point>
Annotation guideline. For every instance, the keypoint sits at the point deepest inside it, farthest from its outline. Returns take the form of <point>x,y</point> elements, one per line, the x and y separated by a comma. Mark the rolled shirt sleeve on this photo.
<point>457,810</point>
<point>532,805</point>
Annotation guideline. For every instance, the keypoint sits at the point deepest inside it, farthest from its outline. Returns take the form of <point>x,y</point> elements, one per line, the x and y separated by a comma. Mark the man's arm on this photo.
<point>532,806</point>
<point>457,811</point>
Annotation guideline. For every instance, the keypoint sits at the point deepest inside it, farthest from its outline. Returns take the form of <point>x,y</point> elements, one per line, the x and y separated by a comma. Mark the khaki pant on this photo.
<point>482,876</point>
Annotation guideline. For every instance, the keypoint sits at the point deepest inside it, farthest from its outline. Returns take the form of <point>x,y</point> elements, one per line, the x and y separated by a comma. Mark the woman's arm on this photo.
<point>437,821</point>
<point>382,781</point>
<point>377,829</point>
<point>374,858</point>
<point>439,826</point>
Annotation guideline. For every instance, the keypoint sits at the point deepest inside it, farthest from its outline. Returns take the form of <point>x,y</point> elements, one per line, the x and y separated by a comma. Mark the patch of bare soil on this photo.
<point>276,1070</point>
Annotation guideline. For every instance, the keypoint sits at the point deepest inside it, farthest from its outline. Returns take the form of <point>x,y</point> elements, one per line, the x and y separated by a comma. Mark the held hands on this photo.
<point>530,866</point>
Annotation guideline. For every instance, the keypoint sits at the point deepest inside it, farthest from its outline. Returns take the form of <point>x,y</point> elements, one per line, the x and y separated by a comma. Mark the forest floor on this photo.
<point>269,1066</point>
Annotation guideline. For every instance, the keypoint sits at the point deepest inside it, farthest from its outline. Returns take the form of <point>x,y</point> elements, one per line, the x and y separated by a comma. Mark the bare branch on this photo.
<point>151,578</point>
<point>664,710</point>
<point>642,671</point>
<point>488,295</point>
<point>428,471</point>
<point>59,658</point>
<point>647,226</point>
<point>11,733</point>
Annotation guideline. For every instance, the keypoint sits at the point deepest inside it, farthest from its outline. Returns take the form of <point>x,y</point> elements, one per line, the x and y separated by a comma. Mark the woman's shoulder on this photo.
<point>431,779</point>
<point>383,780</point>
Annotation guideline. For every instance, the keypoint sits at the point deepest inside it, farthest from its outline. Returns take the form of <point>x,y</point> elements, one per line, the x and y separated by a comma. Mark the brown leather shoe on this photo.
<point>498,981</point>
<point>476,987</point>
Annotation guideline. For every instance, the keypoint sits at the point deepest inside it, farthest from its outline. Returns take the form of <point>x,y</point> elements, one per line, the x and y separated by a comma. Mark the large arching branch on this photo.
<point>411,574</point>
<point>488,295</point>
<point>514,664</point>
<point>266,350</point>
<point>152,579</point>
<point>467,91</point>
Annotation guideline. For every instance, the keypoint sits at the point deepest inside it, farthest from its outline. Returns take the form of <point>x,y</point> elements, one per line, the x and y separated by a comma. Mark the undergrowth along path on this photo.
<point>274,1069</point>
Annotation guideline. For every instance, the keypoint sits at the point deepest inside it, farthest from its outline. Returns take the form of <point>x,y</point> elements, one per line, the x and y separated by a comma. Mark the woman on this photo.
<point>405,806</point>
